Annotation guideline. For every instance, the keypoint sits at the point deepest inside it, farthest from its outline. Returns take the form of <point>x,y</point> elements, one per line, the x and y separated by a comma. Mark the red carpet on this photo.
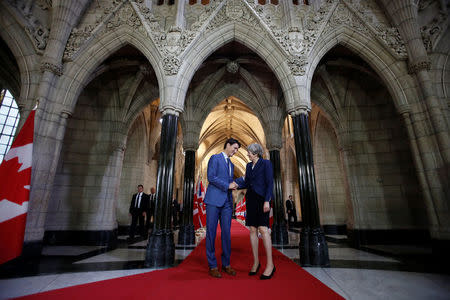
<point>190,279</point>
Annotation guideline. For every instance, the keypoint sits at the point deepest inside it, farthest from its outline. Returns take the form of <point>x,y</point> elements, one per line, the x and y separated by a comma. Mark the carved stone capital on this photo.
<point>65,114</point>
<point>404,109</point>
<point>171,110</point>
<point>302,109</point>
<point>55,69</point>
<point>414,68</point>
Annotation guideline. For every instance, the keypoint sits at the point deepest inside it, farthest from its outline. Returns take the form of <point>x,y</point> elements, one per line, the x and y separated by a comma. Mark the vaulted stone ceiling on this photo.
<point>227,97</point>
<point>231,118</point>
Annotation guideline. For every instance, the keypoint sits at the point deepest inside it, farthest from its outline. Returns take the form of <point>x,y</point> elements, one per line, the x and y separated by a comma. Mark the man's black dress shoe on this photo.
<point>264,277</point>
<point>251,273</point>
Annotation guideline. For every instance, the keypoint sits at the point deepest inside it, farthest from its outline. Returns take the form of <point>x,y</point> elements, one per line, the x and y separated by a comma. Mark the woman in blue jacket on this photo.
<point>258,181</point>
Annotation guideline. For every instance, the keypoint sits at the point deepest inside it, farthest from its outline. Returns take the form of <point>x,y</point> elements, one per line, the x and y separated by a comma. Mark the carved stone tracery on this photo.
<point>296,42</point>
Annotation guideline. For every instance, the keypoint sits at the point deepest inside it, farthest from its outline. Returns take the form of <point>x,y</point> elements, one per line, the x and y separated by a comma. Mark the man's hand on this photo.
<point>266,207</point>
<point>233,186</point>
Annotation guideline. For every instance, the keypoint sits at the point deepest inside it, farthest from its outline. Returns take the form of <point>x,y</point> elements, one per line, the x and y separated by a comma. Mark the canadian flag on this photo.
<point>240,210</point>
<point>199,215</point>
<point>15,177</point>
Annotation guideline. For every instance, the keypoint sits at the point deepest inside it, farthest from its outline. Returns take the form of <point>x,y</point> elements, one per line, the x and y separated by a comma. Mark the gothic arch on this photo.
<point>262,45</point>
<point>392,71</point>
<point>75,78</point>
<point>21,45</point>
<point>244,95</point>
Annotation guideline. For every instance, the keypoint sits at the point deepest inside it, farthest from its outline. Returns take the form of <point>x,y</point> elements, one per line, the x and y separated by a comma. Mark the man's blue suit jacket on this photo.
<point>259,179</point>
<point>219,180</point>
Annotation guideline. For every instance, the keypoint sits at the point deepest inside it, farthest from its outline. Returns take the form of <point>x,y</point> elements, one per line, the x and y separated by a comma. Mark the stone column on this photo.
<point>279,230</point>
<point>313,246</point>
<point>161,247</point>
<point>405,15</point>
<point>50,125</point>
<point>186,235</point>
<point>45,161</point>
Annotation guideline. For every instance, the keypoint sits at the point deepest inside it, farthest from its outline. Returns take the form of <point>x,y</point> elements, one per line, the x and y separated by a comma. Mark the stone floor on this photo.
<point>374,272</point>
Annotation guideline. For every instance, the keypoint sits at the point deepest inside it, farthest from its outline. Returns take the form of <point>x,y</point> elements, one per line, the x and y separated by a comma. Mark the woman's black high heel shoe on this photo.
<point>254,273</point>
<point>264,277</point>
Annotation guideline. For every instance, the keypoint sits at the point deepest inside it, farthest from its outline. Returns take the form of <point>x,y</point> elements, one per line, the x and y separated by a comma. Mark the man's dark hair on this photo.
<point>141,186</point>
<point>231,141</point>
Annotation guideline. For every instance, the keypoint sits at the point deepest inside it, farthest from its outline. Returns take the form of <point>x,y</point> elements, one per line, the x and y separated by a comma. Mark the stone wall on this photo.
<point>329,175</point>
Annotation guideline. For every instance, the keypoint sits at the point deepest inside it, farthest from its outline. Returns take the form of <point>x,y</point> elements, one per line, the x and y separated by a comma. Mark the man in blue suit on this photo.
<point>219,206</point>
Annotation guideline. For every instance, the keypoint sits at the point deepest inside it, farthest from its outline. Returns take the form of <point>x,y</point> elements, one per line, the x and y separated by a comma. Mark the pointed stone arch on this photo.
<point>77,72</point>
<point>259,42</point>
<point>21,46</point>
<point>392,71</point>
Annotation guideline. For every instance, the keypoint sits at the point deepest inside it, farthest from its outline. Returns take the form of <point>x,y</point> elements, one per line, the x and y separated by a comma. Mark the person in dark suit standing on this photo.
<point>290,209</point>
<point>150,211</point>
<point>137,211</point>
<point>258,181</point>
<point>219,205</point>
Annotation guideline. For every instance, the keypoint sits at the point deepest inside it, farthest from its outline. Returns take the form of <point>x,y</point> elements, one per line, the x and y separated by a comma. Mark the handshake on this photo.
<point>233,186</point>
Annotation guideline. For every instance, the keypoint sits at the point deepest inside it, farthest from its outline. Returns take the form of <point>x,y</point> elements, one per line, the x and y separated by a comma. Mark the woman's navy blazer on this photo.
<point>259,179</point>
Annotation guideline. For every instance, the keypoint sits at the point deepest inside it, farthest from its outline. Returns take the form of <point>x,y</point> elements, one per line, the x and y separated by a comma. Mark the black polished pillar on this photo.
<point>161,247</point>
<point>186,235</point>
<point>313,246</point>
<point>279,230</point>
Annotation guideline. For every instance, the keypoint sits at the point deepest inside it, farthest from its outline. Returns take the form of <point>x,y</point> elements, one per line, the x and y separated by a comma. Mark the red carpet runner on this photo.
<point>190,279</point>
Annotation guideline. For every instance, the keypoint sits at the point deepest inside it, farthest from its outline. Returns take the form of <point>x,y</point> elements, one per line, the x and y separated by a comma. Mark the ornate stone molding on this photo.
<point>414,68</point>
<point>302,109</point>
<point>366,21</point>
<point>171,110</point>
<point>232,67</point>
<point>171,65</point>
<point>233,11</point>
<point>40,35</point>
<point>297,65</point>
<point>432,31</point>
<point>174,41</point>
<point>55,69</point>
<point>119,13</point>
<point>34,27</point>
<point>295,40</point>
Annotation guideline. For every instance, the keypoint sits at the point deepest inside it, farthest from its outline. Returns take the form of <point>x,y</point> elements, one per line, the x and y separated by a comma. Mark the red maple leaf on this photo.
<point>12,181</point>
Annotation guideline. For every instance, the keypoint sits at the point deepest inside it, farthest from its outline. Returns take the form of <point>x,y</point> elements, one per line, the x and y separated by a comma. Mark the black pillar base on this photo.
<point>186,235</point>
<point>280,234</point>
<point>313,248</point>
<point>160,249</point>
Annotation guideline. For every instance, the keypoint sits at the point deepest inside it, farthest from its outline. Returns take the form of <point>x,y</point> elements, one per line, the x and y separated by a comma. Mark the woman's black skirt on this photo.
<point>255,215</point>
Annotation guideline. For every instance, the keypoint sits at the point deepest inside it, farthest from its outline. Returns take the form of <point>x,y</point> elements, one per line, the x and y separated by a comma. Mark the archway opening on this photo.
<point>355,115</point>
